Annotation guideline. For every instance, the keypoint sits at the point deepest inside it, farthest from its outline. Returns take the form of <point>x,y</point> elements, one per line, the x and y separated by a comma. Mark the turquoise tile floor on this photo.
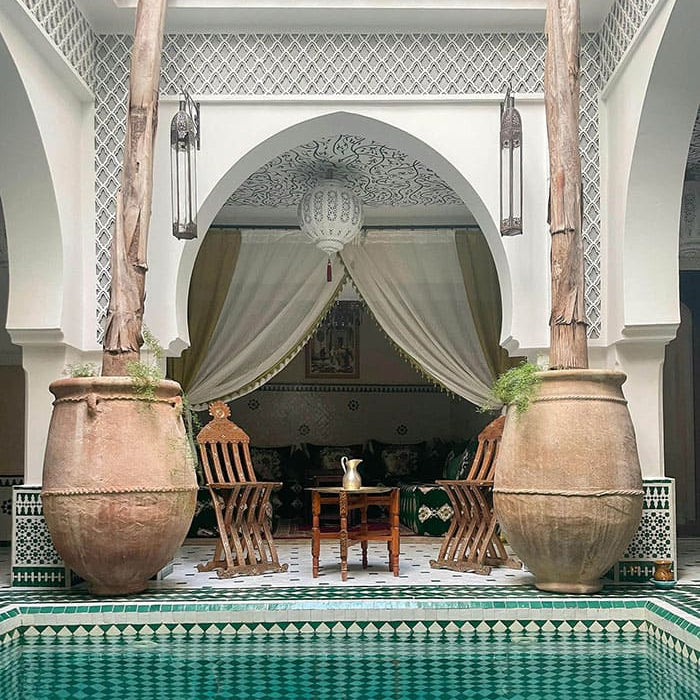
<point>421,600</point>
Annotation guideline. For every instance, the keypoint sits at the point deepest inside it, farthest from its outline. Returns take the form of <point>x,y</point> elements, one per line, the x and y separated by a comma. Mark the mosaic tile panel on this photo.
<point>6,484</point>
<point>70,31</point>
<point>340,64</point>
<point>656,537</point>
<point>619,28</point>
<point>35,561</point>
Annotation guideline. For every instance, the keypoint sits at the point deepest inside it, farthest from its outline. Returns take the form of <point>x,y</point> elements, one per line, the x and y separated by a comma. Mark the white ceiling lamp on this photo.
<point>331,215</point>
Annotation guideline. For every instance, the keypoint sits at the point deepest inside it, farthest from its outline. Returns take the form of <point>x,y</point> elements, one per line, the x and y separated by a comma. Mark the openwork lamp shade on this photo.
<point>511,168</point>
<point>183,173</point>
<point>331,215</point>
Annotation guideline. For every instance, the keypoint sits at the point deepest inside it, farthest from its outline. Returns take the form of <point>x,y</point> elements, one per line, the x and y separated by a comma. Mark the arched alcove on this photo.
<point>343,122</point>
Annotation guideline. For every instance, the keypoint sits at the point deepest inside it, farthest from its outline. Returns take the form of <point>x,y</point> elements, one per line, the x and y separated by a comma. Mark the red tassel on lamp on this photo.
<point>329,271</point>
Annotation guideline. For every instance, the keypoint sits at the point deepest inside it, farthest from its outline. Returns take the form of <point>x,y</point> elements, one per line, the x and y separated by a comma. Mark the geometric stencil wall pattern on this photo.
<point>340,64</point>
<point>336,64</point>
<point>617,31</point>
<point>71,33</point>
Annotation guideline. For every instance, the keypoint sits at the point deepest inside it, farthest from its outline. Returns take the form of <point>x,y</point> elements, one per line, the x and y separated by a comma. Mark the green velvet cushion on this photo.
<point>458,463</point>
<point>425,509</point>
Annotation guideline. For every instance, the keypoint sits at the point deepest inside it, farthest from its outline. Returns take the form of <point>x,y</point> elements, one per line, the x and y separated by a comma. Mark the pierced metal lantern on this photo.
<point>184,143</point>
<point>511,168</point>
<point>331,215</point>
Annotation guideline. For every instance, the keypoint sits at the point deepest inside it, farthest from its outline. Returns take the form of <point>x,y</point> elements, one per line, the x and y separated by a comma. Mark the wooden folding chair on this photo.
<point>241,502</point>
<point>472,543</point>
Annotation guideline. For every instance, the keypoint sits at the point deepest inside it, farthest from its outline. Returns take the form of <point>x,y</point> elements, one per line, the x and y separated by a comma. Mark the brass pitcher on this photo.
<point>352,481</point>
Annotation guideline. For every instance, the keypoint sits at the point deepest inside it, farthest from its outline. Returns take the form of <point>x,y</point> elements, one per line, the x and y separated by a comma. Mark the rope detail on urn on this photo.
<point>580,397</point>
<point>567,493</point>
<point>116,397</point>
<point>112,492</point>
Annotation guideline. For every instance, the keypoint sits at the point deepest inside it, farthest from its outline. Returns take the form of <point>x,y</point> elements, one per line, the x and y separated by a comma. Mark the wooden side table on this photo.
<point>347,501</point>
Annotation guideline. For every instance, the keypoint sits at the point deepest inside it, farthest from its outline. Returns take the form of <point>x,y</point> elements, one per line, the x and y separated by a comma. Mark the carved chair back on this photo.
<point>484,465</point>
<point>224,449</point>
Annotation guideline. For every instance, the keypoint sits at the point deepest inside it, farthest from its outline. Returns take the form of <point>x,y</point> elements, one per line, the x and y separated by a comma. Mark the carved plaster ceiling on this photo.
<point>693,167</point>
<point>380,175</point>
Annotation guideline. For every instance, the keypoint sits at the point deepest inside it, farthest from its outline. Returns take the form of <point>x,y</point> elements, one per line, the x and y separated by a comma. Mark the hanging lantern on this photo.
<point>511,168</point>
<point>330,214</point>
<point>184,143</point>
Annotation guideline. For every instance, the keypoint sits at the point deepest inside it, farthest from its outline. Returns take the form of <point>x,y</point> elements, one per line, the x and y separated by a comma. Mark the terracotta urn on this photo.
<point>568,486</point>
<point>119,487</point>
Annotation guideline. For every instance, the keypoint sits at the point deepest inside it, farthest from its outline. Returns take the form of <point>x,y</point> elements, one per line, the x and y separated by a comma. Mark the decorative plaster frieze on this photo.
<point>693,167</point>
<point>618,30</point>
<point>689,247</point>
<point>378,174</point>
<point>356,388</point>
<point>340,64</point>
<point>70,32</point>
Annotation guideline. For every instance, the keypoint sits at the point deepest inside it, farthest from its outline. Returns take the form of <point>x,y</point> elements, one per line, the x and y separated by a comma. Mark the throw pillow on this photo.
<point>398,463</point>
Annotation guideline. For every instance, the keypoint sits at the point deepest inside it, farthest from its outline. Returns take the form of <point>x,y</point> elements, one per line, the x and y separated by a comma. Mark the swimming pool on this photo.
<point>483,666</point>
<point>405,642</point>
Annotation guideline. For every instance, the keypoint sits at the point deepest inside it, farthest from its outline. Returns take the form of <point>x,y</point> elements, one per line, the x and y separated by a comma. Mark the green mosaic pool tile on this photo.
<point>687,598</point>
<point>412,668</point>
<point>330,627</point>
<point>665,639</point>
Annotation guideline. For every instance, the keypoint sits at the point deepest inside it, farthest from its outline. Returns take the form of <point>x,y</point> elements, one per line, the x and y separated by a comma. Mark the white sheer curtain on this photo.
<point>277,295</point>
<point>412,282</point>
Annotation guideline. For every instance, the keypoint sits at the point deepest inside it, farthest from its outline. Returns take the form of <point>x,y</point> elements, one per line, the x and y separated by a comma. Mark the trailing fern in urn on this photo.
<point>517,387</point>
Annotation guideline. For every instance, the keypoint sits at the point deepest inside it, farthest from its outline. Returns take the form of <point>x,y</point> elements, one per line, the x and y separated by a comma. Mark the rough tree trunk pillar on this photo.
<point>568,343</point>
<point>123,339</point>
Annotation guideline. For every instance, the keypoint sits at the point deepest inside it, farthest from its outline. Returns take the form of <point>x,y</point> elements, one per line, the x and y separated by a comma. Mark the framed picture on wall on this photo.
<point>333,352</point>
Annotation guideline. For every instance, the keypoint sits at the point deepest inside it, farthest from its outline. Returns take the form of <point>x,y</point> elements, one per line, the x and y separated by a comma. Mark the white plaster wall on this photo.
<point>47,190</point>
<point>62,111</point>
<point>647,113</point>
<point>458,138</point>
<point>639,229</point>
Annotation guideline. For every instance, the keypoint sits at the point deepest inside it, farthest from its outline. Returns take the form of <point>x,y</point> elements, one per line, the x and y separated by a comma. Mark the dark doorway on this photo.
<point>682,407</point>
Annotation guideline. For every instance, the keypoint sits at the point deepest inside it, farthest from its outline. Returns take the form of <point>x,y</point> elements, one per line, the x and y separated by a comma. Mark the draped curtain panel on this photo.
<point>277,296</point>
<point>484,295</point>
<point>412,282</point>
<point>211,278</point>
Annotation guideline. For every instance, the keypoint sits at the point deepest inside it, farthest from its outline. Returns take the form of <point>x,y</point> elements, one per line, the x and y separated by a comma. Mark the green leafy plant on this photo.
<point>516,387</point>
<point>192,427</point>
<point>82,369</point>
<point>147,375</point>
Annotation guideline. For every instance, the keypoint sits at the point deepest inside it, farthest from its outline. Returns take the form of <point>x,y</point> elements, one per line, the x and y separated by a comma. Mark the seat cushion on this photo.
<point>426,509</point>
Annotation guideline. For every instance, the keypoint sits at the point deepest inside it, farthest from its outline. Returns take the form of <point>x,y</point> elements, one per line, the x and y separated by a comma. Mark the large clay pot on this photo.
<point>119,487</point>
<point>568,487</point>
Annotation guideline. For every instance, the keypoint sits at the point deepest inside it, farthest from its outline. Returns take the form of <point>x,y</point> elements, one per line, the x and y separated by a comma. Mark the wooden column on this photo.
<point>568,342</point>
<point>123,339</point>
